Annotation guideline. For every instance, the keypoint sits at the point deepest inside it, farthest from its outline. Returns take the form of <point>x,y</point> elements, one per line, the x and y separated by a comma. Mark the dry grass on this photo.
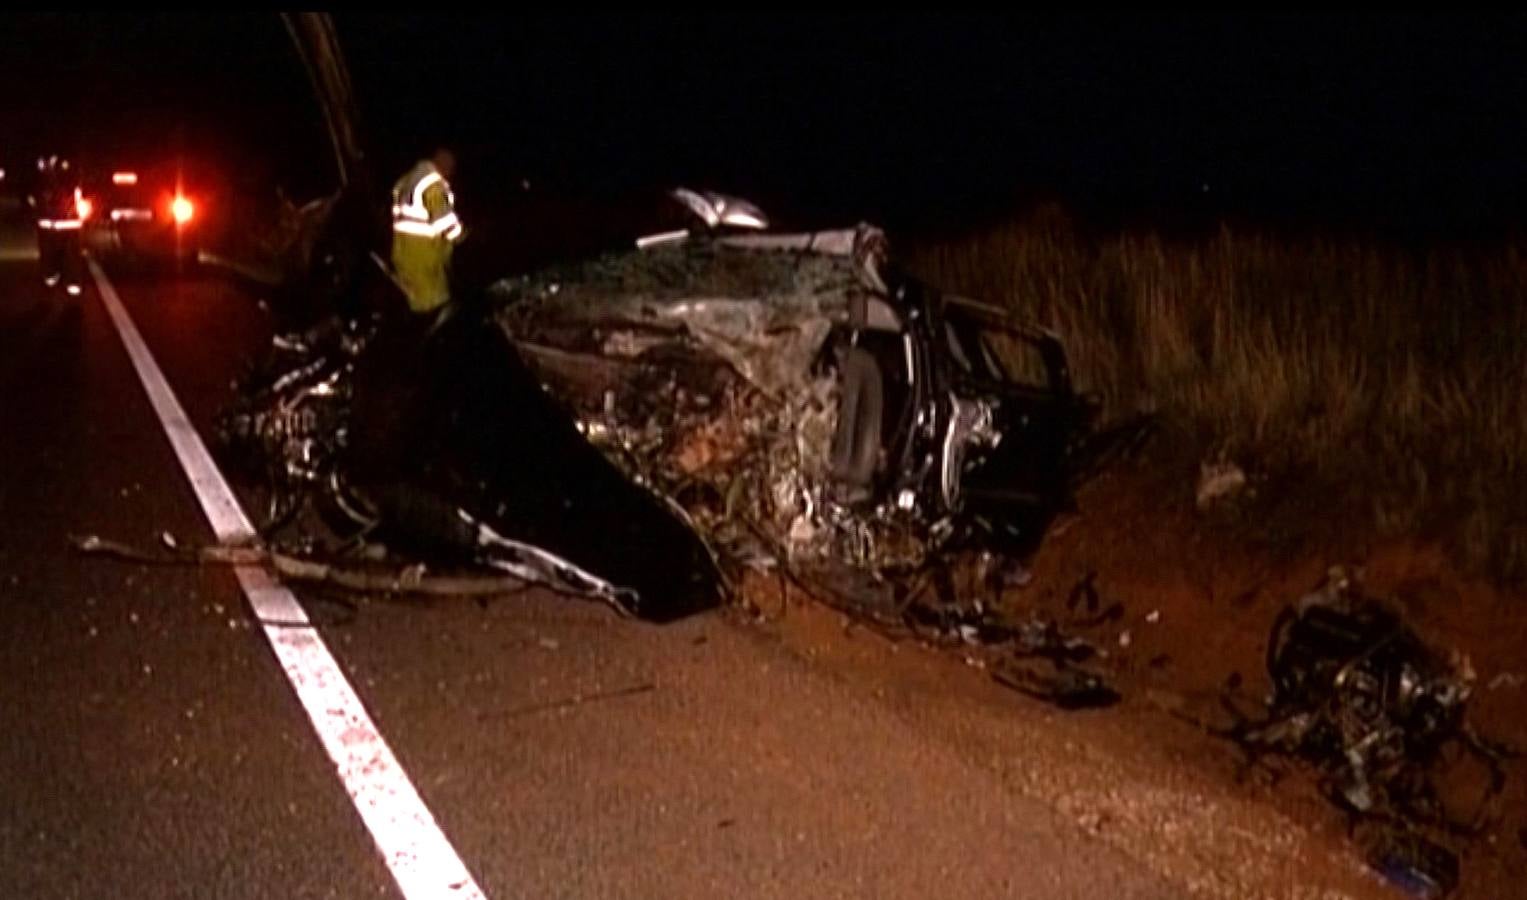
<point>1385,378</point>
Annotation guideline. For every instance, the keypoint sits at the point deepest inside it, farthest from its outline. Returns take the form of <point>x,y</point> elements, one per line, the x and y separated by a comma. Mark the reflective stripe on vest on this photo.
<point>414,210</point>
<point>411,216</point>
<point>447,225</point>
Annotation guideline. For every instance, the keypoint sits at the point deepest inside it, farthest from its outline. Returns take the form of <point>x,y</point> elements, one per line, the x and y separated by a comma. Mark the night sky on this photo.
<point>920,120</point>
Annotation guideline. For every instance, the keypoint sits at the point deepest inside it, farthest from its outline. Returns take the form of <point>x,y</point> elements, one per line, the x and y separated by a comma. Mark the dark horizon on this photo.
<point>934,121</point>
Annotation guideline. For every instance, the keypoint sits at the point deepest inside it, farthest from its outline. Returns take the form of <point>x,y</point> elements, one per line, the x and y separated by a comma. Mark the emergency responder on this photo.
<point>425,230</point>
<point>401,380</point>
<point>61,209</point>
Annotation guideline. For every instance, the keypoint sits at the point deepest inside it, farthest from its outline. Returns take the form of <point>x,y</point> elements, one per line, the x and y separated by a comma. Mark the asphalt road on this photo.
<point>153,747</point>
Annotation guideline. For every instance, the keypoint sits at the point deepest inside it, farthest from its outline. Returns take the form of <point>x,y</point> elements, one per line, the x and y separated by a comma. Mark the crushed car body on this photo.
<point>803,402</point>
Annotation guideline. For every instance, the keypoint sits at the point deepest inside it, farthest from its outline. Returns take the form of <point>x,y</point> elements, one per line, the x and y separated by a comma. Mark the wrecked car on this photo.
<point>803,402</point>
<point>796,401</point>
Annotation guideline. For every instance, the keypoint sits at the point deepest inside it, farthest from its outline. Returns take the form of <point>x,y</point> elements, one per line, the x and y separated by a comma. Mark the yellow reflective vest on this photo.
<point>424,231</point>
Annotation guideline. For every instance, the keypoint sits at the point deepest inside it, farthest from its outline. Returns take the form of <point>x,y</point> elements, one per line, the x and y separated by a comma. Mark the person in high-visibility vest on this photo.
<point>425,230</point>
<point>61,210</point>
<point>399,380</point>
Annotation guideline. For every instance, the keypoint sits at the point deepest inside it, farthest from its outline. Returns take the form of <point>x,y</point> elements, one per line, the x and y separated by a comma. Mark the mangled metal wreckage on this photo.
<point>1380,714</point>
<point>793,401</point>
<point>805,405</point>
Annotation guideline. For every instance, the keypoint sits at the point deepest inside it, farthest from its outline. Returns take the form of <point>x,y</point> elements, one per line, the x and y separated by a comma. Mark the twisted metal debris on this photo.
<point>1362,698</point>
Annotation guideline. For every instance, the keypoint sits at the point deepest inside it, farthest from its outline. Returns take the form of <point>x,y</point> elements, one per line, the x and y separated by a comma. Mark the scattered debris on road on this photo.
<point>1064,685</point>
<point>1037,657</point>
<point>575,700</point>
<point>361,576</point>
<point>1420,867</point>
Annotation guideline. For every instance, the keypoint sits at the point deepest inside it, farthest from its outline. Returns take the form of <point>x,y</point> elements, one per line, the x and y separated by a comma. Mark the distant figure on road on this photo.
<point>61,210</point>
<point>425,230</point>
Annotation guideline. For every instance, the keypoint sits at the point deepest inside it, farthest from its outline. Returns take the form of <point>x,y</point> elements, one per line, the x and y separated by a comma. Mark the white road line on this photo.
<point>416,851</point>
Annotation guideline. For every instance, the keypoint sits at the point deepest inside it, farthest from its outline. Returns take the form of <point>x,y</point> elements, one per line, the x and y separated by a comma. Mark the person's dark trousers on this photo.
<point>59,253</point>
<point>49,255</point>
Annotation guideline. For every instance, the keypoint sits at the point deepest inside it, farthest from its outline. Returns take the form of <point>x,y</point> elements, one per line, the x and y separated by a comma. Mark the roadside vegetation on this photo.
<point>1380,382</point>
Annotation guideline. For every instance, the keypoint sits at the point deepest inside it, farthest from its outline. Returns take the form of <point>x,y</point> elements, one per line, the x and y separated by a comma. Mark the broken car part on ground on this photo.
<point>1358,695</point>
